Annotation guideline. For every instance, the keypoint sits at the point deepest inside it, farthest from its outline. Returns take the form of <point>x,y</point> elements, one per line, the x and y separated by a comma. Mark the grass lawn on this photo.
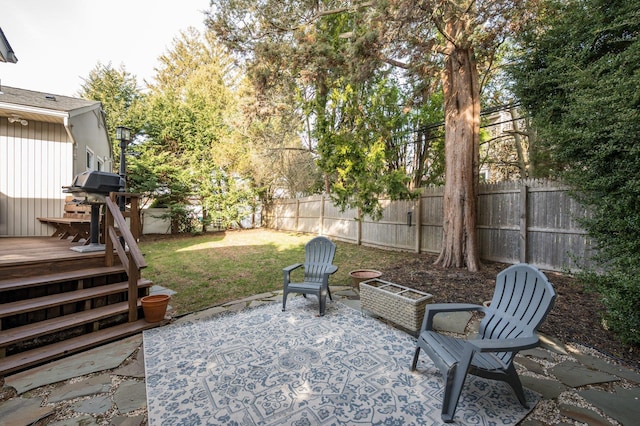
<point>220,267</point>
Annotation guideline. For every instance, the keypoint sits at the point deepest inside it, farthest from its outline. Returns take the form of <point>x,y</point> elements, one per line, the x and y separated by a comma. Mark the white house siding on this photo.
<point>35,162</point>
<point>84,128</point>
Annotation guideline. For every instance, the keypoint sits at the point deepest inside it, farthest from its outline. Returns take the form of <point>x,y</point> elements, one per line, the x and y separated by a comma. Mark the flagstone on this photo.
<point>127,421</point>
<point>82,420</point>
<point>92,386</point>
<point>552,344</point>
<point>96,405</point>
<point>105,357</point>
<point>549,389</point>
<point>453,322</point>
<point>607,367</point>
<point>23,411</point>
<point>530,365</point>
<point>538,353</point>
<point>622,405</point>
<point>205,314</point>
<point>236,307</point>
<point>133,369</point>
<point>583,415</point>
<point>130,396</point>
<point>249,299</point>
<point>575,375</point>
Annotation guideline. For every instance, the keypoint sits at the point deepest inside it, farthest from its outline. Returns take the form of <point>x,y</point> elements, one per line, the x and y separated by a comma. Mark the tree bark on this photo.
<point>462,141</point>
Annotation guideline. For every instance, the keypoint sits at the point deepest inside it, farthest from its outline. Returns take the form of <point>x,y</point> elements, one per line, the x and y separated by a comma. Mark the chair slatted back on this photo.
<point>319,253</point>
<point>522,299</point>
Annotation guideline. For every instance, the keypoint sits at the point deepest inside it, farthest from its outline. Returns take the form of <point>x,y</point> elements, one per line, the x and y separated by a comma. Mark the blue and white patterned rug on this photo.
<point>263,366</point>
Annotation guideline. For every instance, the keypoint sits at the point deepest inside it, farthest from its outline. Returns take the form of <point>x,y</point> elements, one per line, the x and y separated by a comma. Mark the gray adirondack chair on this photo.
<point>318,265</point>
<point>522,299</point>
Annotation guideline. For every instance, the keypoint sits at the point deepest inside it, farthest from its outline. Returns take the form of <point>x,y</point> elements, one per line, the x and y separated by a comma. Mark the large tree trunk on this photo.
<point>462,141</point>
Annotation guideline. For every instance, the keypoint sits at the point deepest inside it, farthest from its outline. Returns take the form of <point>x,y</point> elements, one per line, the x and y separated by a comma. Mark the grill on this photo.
<point>96,182</point>
<point>94,186</point>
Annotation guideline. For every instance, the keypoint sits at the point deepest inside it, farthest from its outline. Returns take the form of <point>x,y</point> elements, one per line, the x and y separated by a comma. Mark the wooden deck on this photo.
<point>55,301</point>
<point>26,250</point>
<point>29,256</point>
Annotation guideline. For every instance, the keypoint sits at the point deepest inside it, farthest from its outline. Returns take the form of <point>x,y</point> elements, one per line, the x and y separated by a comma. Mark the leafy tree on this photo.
<point>438,43</point>
<point>122,100</point>
<point>358,148</point>
<point>579,76</point>
<point>280,159</point>
<point>189,110</point>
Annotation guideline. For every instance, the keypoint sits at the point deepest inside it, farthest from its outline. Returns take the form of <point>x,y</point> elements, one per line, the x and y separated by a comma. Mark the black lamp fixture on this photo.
<point>123,134</point>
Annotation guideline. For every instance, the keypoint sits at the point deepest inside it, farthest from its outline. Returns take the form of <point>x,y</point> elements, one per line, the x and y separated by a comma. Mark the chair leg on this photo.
<point>415,358</point>
<point>284,301</point>
<point>514,381</point>
<point>453,387</point>
<point>322,299</point>
<point>329,291</point>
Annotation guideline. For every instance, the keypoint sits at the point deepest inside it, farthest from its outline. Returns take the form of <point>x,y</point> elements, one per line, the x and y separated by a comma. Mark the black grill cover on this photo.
<point>96,182</point>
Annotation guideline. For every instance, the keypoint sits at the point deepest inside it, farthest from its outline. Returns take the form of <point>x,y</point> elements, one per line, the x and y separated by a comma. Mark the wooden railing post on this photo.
<point>108,244</point>
<point>134,216</point>
<point>132,260</point>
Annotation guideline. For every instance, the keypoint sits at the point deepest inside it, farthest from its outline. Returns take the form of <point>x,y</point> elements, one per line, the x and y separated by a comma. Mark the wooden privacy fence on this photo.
<point>533,221</point>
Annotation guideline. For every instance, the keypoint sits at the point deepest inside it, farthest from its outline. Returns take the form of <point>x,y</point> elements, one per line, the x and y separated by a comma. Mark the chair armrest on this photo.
<point>504,345</point>
<point>431,310</point>
<point>325,274</point>
<point>292,267</point>
<point>331,269</point>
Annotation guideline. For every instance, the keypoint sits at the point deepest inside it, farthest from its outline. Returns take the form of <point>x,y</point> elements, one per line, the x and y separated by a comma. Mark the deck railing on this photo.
<point>121,237</point>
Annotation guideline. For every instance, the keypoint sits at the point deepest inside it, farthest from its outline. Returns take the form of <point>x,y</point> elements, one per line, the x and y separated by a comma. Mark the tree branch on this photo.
<point>322,14</point>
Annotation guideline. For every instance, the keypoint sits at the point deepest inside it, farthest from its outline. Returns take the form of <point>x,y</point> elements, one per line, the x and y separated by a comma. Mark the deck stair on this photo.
<point>55,307</point>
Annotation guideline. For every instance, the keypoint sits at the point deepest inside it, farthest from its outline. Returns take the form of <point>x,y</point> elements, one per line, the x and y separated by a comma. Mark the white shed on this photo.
<point>45,141</point>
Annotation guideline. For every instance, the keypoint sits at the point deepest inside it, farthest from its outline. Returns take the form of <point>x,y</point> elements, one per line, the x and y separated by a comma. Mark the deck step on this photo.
<point>33,357</point>
<point>20,283</point>
<point>30,305</point>
<point>53,325</point>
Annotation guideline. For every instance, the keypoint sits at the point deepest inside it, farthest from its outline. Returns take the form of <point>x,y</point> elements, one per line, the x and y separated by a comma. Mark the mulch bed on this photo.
<point>575,317</point>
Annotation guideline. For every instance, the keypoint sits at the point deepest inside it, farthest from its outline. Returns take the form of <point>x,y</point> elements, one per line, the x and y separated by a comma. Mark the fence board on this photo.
<point>534,221</point>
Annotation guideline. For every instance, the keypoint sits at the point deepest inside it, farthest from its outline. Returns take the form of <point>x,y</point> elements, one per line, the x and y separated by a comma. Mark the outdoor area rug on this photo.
<point>262,366</point>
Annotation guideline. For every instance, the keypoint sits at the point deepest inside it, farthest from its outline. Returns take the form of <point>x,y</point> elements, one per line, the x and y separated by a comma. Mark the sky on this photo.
<point>58,42</point>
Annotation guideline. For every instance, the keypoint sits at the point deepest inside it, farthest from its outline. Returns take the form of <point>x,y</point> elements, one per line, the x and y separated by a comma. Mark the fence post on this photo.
<point>297,214</point>
<point>359,219</point>
<point>524,190</point>
<point>321,224</point>
<point>418,215</point>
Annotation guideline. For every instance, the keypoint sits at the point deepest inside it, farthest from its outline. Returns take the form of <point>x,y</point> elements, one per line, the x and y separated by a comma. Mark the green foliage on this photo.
<point>355,145</point>
<point>121,100</point>
<point>620,294</point>
<point>580,78</point>
<point>189,140</point>
<point>352,108</point>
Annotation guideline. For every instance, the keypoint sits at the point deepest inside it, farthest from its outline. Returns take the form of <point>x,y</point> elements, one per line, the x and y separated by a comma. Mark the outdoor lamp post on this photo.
<point>123,134</point>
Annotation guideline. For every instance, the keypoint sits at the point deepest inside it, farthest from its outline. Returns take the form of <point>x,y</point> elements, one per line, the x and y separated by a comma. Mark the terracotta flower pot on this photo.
<point>155,306</point>
<point>360,275</point>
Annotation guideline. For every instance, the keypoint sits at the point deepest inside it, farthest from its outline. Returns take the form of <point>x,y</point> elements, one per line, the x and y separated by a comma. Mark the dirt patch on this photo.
<point>575,317</point>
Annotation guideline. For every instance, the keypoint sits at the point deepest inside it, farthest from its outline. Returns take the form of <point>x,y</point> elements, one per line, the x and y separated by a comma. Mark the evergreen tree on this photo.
<point>579,76</point>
